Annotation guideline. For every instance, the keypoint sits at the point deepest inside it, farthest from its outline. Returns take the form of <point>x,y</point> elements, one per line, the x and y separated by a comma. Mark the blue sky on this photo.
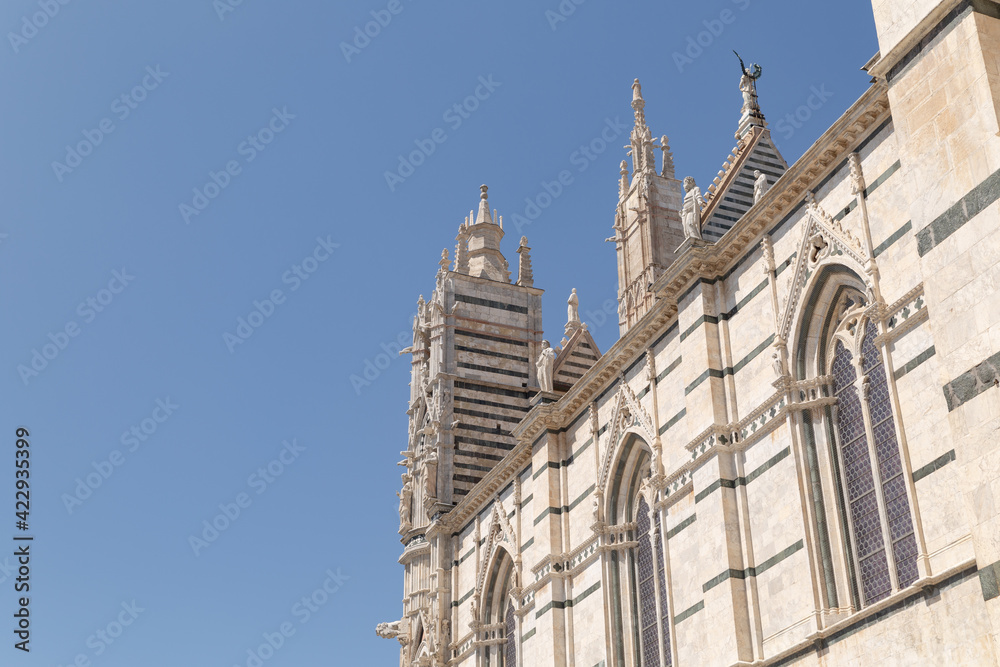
<point>244,171</point>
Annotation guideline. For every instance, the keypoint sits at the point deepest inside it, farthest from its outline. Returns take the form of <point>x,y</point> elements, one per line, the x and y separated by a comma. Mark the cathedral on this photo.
<point>789,457</point>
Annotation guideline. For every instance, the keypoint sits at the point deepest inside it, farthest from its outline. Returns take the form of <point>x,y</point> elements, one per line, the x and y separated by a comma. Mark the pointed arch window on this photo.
<point>500,616</point>
<point>510,636</point>
<point>880,526</point>
<point>638,578</point>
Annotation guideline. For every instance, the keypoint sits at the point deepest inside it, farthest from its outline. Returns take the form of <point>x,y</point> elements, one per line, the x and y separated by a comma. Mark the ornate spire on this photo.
<point>668,158</point>
<point>483,258</point>
<point>524,275</point>
<point>638,104</point>
<point>484,207</point>
<point>642,140</point>
<point>462,249</point>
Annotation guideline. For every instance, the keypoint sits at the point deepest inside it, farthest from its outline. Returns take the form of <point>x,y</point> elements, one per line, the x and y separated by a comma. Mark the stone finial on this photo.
<point>484,207</point>
<point>623,179</point>
<point>668,158</point>
<point>462,250</point>
<point>637,94</point>
<point>641,140</point>
<point>524,274</point>
<point>445,261</point>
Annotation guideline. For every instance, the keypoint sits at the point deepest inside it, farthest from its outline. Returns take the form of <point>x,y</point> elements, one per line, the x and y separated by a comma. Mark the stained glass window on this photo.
<point>510,632</point>
<point>646,587</point>
<point>897,505</point>
<point>863,477</point>
<point>664,611</point>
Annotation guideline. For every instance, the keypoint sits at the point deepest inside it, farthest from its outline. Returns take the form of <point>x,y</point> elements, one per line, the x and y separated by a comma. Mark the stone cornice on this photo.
<point>490,281</point>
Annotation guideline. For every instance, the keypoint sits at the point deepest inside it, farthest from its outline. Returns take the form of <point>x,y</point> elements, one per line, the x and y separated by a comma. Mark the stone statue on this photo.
<point>389,630</point>
<point>691,210</point>
<point>748,86</point>
<point>546,360</point>
<point>404,503</point>
<point>760,185</point>
<point>778,364</point>
<point>573,309</point>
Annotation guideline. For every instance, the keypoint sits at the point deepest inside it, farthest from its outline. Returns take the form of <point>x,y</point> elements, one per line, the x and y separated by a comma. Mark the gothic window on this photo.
<point>510,637</point>
<point>640,622</point>
<point>500,618</point>
<point>646,587</point>
<point>882,540</point>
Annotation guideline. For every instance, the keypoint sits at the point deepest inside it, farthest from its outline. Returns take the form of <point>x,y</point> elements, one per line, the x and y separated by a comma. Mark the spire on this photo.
<point>638,104</point>
<point>642,139</point>
<point>668,158</point>
<point>483,257</point>
<point>462,249</point>
<point>484,207</point>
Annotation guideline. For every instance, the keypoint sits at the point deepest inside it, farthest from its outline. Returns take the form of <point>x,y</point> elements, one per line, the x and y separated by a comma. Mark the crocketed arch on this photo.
<point>836,338</point>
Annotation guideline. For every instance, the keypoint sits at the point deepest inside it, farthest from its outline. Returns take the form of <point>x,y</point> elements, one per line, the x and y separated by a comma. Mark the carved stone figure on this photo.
<point>573,309</point>
<point>760,185</point>
<point>389,630</point>
<point>748,86</point>
<point>546,360</point>
<point>691,209</point>
<point>404,504</point>
<point>778,364</point>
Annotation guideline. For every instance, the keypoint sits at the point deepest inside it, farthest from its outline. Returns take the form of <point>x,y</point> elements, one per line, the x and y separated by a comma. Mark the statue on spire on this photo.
<point>573,314</point>
<point>748,86</point>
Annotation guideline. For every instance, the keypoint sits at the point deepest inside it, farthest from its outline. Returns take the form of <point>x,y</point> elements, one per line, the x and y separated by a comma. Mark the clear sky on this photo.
<point>166,167</point>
